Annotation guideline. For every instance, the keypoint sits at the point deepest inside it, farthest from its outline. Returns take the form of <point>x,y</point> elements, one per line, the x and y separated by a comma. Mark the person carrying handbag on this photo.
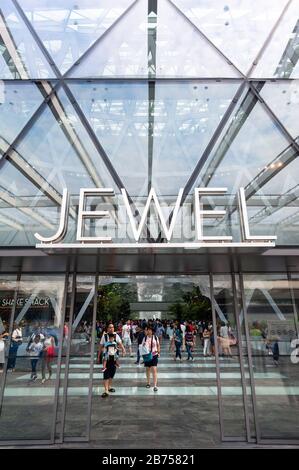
<point>150,350</point>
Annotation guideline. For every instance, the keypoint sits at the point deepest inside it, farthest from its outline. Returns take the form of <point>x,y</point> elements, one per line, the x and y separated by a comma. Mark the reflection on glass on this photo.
<point>237,28</point>
<point>178,53</point>
<point>32,359</point>
<point>18,102</point>
<point>7,289</point>
<point>67,29</point>
<point>80,334</point>
<point>280,58</point>
<point>272,328</point>
<point>20,55</point>
<point>185,116</point>
<point>166,301</point>
<point>119,115</point>
<point>228,339</point>
<point>283,99</point>
<point>122,52</point>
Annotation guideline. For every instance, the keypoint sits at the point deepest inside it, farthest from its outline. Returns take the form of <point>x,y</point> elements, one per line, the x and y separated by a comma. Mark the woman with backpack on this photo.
<point>150,348</point>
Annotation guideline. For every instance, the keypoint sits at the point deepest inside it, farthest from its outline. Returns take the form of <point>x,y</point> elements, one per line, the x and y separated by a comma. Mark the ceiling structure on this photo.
<point>137,94</point>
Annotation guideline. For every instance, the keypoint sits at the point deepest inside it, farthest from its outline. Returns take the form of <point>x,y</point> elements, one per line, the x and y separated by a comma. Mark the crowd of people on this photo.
<point>141,337</point>
<point>183,336</point>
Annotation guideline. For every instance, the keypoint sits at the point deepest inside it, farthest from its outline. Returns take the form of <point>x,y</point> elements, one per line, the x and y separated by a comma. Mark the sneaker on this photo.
<point>34,378</point>
<point>43,381</point>
<point>155,389</point>
<point>136,362</point>
<point>147,386</point>
<point>105,394</point>
<point>112,390</point>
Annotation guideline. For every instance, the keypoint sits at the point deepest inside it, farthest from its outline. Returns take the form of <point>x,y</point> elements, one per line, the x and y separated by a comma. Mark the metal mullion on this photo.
<point>58,368</point>
<point>240,348</point>
<point>93,45</point>
<point>268,39</point>
<point>228,61</point>
<point>250,362</point>
<point>218,379</point>
<point>12,317</point>
<point>91,368</point>
<point>67,358</point>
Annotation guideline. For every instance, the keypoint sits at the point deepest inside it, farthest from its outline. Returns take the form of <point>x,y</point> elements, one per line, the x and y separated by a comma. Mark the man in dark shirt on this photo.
<point>139,335</point>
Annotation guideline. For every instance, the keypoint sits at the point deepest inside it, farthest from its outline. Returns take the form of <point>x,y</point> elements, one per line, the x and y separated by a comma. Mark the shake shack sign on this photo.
<point>38,302</point>
<point>137,222</point>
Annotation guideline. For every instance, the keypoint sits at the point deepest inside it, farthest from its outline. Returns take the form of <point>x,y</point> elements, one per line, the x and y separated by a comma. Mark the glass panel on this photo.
<point>277,187</point>
<point>68,29</point>
<point>280,58</point>
<point>55,153</point>
<point>122,52</point>
<point>244,136</point>
<point>30,383</point>
<point>228,339</point>
<point>185,116</point>
<point>20,55</point>
<point>160,300</point>
<point>18,102</point>
<point>270,316</point>
<point>236,27</point>
<point>62,153</point>
<point>283,99</point>
<point>78,380</point>
<point>119,115</point>
<point>179,45</point>
<point>240,158</point>
<point>7,292</point>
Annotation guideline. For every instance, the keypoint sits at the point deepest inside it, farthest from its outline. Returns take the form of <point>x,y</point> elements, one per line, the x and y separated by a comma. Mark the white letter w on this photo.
<point>152,196</point>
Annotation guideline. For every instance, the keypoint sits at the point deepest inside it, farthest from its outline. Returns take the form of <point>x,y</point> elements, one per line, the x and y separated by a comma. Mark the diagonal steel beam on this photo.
<point>10,52</point>
<point>274,118</point>
<point>237,122</point>
<point>290,56</point>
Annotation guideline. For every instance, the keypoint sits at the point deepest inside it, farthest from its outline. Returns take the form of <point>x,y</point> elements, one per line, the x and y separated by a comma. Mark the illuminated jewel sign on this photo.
<point>137,228</point>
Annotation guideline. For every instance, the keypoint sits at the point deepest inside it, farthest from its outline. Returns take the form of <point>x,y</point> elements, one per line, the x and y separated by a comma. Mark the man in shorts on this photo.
<point>109,373</point>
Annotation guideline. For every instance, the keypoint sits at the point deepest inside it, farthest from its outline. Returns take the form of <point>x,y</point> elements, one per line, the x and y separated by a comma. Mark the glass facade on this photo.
<point>134,95</point>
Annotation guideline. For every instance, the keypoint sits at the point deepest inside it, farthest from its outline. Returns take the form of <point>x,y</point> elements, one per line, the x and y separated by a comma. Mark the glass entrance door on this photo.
<point>185,407</point>
<point>271,323</point>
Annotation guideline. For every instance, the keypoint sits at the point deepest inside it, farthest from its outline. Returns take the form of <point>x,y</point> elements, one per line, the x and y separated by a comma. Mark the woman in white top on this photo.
<point>150,344</point>
<point>16,341</point>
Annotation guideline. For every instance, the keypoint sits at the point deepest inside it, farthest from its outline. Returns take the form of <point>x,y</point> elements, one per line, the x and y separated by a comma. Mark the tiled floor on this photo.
<point>182,414</point>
